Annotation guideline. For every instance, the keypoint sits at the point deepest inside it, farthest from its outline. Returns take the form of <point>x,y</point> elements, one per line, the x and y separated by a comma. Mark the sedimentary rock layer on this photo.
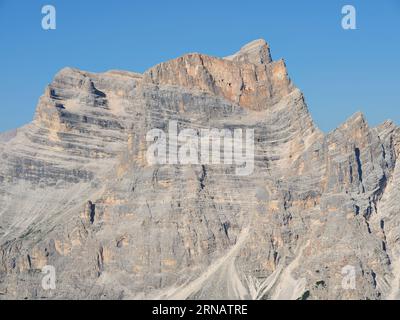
<point>77,193</point>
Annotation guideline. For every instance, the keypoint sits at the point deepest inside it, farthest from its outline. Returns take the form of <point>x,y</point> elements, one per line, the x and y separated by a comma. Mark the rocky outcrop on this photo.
<point>316,204</point>
<point>249,78</point>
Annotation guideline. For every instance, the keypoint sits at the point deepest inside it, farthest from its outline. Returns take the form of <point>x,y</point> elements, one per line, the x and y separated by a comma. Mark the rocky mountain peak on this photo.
<point>77,192</point>
<point>249,78</point>
<point>256,52</point>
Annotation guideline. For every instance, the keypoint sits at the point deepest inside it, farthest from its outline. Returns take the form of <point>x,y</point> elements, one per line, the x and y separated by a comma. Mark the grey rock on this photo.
<point>77,193</point>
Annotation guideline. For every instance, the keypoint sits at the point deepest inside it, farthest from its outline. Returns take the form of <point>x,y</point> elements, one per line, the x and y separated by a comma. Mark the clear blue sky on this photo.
<point>340,72</point>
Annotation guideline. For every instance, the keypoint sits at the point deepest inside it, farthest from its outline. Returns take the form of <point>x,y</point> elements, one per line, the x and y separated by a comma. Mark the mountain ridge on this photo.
<point>77,193</point>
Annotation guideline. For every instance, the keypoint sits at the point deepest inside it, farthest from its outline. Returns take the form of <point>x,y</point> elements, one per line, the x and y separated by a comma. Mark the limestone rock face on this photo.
<point>249,78</point>
<point>256,52</point>
<point>77,193</point>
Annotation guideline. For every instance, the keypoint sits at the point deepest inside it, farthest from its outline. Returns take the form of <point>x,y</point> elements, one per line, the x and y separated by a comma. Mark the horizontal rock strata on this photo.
<point>77,193</point>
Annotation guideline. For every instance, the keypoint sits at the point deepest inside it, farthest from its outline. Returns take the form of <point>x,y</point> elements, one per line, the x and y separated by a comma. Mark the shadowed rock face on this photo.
<point>77,193</point>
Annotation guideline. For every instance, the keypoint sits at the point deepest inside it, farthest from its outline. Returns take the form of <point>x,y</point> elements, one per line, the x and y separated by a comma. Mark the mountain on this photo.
<point>77,191</point>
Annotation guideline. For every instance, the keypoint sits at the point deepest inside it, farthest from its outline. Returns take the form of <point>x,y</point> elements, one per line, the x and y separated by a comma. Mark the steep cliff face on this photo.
<point>249,78</point>
<point>77,193</point>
